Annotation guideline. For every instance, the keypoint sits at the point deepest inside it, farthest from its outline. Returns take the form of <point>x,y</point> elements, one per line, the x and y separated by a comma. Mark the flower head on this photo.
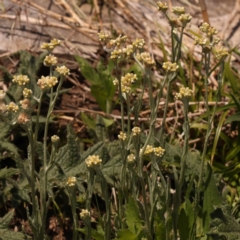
<point>158,151</point>
<point>131,158</point>
<point>221,53</point>
<point>136,131</point>
<point>84,214</point>
<point>115,81</point>
<point>27,92</point>
<point>116,53</point>
<point>206,28</point>
<point>50,60</point>
<point>163,7</point>
<point>93,161</point>
<point>21,79</point>
<point>63,70</point>
<point>47,82</point>
<point>12,107</point>
<point>71,181</point>
<point>146,58</point>
<point>184,92</point>
<point>170,67</point>
<point>55,139</point>
<point>122,136</point>
<point>103,36</point>
<point>149,149</point>
<point>128,50</point>
<point>178,10</point>
<point>50,46</point>
<point>126,82</point>
<point>185,18</point>
<point>138,43</point>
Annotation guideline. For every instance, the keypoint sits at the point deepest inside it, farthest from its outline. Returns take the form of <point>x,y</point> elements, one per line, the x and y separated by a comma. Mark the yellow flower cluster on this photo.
<point>158,151</point>
<point>126,81</point>
<point>170,67</point>
<point>204,42</point>
<point>138,43</point>
<point>47,82</point>
<point>136,131</point>
<point>149,149</point>
<point>103,36</point>
<point>163,7</point>
<point>50,60</point>
<point>185,18</point>
<point>12,107</point>
<point>93,161</point>
<point>71,181</point>
<point>206,28</point>
<point>84,214</point>
<point>50,46</point>
<point>184,92</point>
<point>116,53</point>
<point>63,70</point>
<point>182,18</point>
<point>27,92</point>
<point>122,136</point>
<point>115,81</point>
<point>118,41</point>
<point>131,158</point>
<point>145,58</point>
<point>178,10</point>
<point>221,53</point>
<point>55,138</point>
<point>128,50</point>
<point>21,79</point>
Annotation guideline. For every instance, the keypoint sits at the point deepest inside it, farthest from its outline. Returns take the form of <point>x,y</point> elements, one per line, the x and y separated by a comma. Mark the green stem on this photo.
<point>32,183</point>
<point>88,203</point>
<point>183,167</point>
<point>166,107</point>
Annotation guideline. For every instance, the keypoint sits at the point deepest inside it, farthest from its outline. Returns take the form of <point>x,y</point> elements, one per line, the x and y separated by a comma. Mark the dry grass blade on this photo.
<point>203,7</point>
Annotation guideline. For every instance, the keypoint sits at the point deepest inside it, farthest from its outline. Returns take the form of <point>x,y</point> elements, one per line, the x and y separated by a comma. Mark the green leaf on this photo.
<point>90,122</point>
<point>4,221</point>
<point>186,219</point>
<point>9,147</point>
<point>223,224</point>
<point>4,130</point>
<point>133,219</point>
<point>231,78</point>
<point>217,134</point>
<point>236,101</point>
<point>11,235</point>
<point>8,172</point>
<point>107,122</point>
<point>160,231</point>
<point>87,70</point>
<point>100,95</point>
<point>233,118</point>
<point>94,234</point>
<point>211,198</point>
<point>124,234</point>
<point>233,153</point>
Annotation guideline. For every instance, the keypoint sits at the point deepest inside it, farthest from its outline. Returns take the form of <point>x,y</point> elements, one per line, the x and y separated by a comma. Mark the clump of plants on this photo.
<point>149,187</point>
